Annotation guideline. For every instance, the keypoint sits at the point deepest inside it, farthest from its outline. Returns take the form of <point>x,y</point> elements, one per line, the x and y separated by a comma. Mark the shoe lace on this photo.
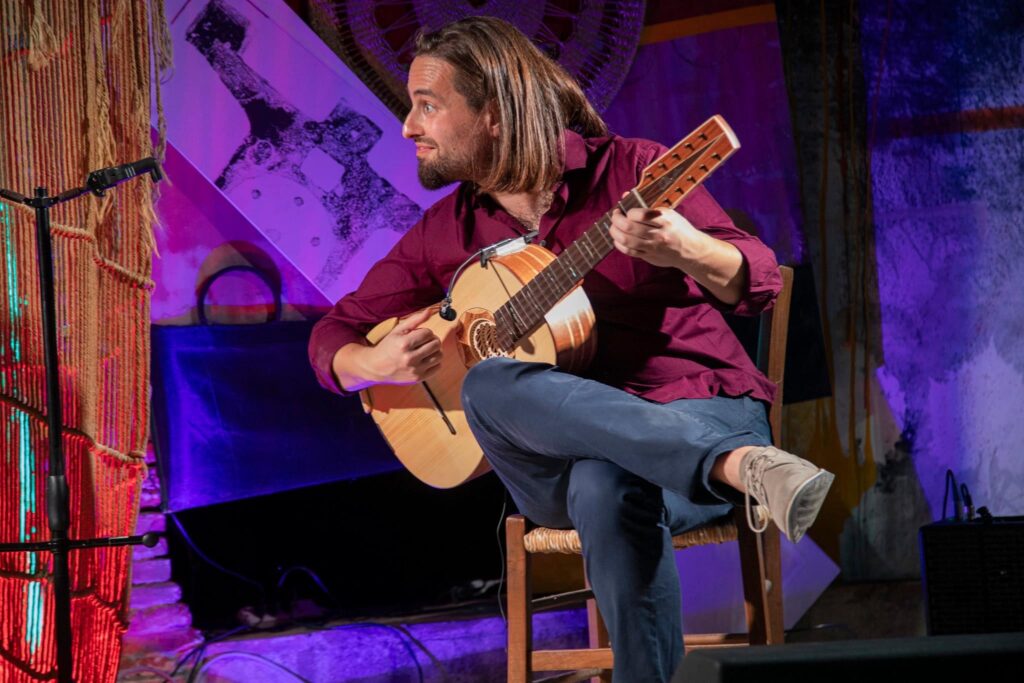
<point>754,468</point>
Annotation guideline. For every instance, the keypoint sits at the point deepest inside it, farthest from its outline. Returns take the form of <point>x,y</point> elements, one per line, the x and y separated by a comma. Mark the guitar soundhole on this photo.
<point>477,337</point>
<point>483,335</point>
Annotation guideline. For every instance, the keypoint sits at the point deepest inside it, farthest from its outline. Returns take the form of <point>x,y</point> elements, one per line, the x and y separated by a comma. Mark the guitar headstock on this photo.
<point>670,178</point>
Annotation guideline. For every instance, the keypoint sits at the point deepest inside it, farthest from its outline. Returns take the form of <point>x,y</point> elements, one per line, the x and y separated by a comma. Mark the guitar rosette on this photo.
<point>477,337</point>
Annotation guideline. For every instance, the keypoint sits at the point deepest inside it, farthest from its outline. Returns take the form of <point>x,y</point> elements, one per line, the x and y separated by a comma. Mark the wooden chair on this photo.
<point>760,558</point>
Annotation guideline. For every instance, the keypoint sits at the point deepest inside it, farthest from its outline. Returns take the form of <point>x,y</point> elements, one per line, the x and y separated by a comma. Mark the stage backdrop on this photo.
<point>946,142</point>
<point>74,97</point>
<point>909,120</point>
<point>315,164</point>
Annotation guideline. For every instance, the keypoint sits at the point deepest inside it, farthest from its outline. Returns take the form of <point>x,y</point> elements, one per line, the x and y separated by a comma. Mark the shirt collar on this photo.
<point>575,151</point>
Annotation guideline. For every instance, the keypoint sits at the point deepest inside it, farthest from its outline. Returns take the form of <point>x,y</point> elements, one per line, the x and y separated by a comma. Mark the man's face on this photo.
<point>453,142</point>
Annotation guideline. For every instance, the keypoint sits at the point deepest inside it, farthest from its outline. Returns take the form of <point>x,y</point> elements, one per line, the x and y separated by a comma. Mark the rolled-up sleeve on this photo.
<point>397,285</point>
<point>763,280</point>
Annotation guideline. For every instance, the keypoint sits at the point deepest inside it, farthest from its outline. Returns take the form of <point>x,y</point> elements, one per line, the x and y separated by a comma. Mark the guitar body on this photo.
<point>424,423</point>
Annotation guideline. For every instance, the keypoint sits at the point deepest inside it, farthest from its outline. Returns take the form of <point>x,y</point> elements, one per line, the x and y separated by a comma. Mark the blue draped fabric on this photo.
<point>237,413</point>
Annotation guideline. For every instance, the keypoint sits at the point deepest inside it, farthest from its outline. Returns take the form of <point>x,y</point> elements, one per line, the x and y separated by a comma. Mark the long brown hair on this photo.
<point>534,98</point>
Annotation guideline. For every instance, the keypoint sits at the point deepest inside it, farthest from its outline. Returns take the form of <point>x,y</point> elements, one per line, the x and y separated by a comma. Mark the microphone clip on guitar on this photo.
<point>501,248</point>
<point>446,311</point>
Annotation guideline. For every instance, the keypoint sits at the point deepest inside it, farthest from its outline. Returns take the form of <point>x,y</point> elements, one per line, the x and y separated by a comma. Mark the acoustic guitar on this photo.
<point>528,305</point>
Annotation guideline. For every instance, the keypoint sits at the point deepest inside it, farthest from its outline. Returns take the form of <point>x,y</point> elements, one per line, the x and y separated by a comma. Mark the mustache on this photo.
<point>425,141</point>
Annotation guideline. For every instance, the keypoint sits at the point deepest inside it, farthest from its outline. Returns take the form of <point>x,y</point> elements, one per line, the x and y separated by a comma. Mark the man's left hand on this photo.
<point>660,236</point>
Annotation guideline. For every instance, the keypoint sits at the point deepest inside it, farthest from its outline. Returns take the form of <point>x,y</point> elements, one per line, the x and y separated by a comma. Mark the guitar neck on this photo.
<point>526,309</point>
<point>664,184</point>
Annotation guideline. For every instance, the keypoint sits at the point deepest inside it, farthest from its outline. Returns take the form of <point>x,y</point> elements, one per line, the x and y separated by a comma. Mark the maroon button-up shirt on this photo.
<point>660,335</point>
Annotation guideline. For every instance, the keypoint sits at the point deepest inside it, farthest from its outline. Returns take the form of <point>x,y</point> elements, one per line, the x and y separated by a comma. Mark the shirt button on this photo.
<point>543,243</point>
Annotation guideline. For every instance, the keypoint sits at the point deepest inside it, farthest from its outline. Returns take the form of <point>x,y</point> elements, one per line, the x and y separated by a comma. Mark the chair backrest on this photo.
<point>771,348</point>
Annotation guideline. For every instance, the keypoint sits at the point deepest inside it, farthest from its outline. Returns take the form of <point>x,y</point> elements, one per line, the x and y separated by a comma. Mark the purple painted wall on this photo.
<point>908,120</point>
<point>674,85</point>
<point>946,110</point>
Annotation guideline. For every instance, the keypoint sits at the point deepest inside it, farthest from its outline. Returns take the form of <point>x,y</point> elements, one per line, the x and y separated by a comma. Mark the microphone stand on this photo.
<point>56,483</point>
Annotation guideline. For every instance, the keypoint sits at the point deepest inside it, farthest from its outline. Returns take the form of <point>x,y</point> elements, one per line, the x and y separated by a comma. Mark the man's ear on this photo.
<point>492,120</point>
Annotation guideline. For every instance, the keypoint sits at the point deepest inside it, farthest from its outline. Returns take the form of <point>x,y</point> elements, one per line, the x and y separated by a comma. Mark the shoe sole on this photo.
<point>807,501</point>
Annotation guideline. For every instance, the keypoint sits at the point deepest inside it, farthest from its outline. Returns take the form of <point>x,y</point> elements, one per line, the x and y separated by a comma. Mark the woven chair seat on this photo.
<point>567,541</point>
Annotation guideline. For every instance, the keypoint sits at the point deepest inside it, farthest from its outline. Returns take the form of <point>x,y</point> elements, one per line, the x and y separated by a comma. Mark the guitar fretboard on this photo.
<point>526,309</point>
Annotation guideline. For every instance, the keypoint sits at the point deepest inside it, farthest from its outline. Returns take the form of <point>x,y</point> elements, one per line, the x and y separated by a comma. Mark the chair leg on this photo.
<point>520,626</point>
<point>762,586</point>
<point>597,633</point>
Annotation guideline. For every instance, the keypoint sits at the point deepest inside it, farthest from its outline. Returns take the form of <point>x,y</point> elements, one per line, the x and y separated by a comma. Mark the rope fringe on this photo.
<point>42,43</point>
<point>76,97</point>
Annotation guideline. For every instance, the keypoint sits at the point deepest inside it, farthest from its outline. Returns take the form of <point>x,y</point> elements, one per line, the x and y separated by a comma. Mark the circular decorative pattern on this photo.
<point>593,40</point>
<point>483,336</point>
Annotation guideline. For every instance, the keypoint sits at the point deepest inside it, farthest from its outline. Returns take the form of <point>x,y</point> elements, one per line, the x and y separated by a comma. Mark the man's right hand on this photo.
<point>406,355</point>
<point>409,353</point>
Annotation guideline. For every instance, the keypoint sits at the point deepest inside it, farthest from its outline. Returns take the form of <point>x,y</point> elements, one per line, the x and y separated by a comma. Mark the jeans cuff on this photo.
<point>709,491</point>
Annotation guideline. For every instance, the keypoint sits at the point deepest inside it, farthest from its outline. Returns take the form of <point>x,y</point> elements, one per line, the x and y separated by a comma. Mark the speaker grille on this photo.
<point>973,576</point>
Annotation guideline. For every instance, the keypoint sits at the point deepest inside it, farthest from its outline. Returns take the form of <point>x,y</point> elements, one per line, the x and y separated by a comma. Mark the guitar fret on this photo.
<point>546,287</point>
<point>569,273</point>
<point>557,284</point>
<point>529,295</point>
<point>601,242</point>
<point>516,319</point>
<point>585,245</point>
<point>501,328</point>
<point>570,266</point>
<point>547,284</point>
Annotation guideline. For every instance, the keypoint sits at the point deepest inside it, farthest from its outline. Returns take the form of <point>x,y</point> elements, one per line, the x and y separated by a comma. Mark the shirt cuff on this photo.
<point>328,336</point>
<point>763,282</point>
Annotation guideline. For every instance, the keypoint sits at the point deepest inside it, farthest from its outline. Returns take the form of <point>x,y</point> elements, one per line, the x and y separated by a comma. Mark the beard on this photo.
<point>434,175</point>
<point>454,166</point>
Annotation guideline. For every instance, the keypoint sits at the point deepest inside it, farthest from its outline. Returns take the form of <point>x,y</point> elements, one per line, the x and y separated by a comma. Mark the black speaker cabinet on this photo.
<point>973,575</point>
<point>932,658</point>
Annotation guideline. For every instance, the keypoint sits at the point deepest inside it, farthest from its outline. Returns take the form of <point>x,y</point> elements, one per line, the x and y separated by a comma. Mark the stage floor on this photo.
<point>468,646</point>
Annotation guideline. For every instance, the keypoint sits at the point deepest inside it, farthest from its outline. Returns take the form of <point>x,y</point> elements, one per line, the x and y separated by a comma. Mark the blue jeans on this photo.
<point>625,473</point>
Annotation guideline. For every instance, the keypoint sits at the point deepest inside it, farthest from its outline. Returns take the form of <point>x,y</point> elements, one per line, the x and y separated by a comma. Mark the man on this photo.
<point>668,428</point>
